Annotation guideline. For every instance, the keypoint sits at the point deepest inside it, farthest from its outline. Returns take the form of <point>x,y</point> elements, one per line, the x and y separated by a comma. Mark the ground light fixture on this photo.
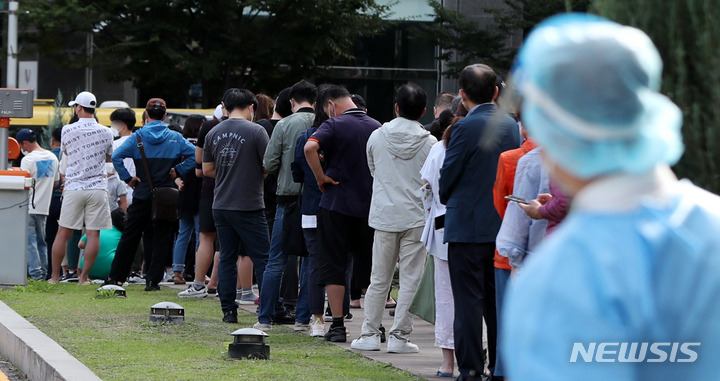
<point>249,343</point>
<point>167,312</point>
<point>119,291</point>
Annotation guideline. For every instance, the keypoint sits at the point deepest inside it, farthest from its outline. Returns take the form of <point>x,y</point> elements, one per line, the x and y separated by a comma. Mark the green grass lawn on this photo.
<point>114,338</point>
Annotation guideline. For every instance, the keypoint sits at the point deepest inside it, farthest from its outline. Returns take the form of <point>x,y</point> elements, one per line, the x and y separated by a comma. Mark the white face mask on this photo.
<point>25,153</point>
<point>115,131</point>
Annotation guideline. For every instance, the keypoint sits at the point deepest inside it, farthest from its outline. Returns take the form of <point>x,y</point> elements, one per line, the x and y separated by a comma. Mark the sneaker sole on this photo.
<point>402,352</point>
<point>192,296</point>
<point>364,348</point>
<point>245,302</point>
<point>318,334</point>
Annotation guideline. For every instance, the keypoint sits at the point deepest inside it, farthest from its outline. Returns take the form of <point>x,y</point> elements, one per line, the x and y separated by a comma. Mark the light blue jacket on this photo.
<point>636,261</point>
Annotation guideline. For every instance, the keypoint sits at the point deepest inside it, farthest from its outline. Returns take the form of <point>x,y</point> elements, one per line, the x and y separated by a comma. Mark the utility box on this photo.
<point>16,103</point>
<point>14,200</point>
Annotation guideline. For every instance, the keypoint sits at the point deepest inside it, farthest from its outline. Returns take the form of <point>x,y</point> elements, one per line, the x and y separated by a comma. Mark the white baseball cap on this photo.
<point>218,113</point>
<point>85,99</point>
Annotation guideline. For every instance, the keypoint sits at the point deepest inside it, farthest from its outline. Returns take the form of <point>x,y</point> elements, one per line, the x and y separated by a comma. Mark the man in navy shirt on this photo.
<point>347,189</point>
<point>467,178</point>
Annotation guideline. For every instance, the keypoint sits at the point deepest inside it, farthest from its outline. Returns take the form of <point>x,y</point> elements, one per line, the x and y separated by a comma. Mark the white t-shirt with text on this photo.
<point>86,144</point>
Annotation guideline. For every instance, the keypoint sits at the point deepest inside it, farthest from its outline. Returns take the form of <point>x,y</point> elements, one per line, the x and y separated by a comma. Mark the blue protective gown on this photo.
<point>636,261</point>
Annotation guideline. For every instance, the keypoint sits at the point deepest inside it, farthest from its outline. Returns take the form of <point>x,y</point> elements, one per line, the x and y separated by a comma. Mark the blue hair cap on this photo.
<point>590,90</point>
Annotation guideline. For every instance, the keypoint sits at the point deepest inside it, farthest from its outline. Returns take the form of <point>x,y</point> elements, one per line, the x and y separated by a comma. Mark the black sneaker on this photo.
<point>152,287</point>
<point>230,317</point>
<point>70,277</point>
<point>382,334</point>
<point>349,317</point>
<point>336,335</point>
<point>328,314</point>
<point>284,318</point>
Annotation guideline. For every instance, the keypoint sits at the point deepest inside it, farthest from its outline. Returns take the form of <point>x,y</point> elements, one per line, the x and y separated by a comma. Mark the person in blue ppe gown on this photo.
<point>628,286</point>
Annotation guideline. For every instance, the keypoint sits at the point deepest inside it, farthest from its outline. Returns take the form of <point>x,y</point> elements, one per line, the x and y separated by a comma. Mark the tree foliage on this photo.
<point>687,35</point>
<point>463,41</point>
<point>165,46</point>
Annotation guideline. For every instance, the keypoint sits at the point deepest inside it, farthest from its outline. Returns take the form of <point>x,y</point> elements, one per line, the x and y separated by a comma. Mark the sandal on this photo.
<point>441,374</point>
<point>178,278</point>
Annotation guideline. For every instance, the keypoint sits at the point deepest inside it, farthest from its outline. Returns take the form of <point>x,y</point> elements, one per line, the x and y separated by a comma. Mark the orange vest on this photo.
<point>504,183</point>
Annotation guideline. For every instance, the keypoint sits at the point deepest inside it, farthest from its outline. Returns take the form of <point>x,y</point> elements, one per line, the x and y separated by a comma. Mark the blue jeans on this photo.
<point>236,229</point>
<point>181,242</point>
<point>277,260</point>
<point>37,247</point>
<point>502,277</point>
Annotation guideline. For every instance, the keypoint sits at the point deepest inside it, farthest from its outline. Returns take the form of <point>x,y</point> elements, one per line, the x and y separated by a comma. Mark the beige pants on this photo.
<point>388,249</point>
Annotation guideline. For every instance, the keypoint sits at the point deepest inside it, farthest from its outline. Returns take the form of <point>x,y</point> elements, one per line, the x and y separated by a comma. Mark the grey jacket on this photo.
<point>281,150</point>
<point>396,152</point>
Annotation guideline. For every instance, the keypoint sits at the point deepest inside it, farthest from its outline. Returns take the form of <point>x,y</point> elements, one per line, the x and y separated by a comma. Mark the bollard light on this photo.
<point>249,343</point>
<point>119,291</point>
<point>167,312</point>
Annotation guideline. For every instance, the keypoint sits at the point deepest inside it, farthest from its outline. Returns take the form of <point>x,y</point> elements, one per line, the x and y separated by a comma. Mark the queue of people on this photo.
<point>566,200</point>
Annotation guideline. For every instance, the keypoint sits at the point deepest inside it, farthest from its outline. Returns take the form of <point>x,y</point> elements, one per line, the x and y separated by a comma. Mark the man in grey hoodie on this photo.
<point>396,153</point>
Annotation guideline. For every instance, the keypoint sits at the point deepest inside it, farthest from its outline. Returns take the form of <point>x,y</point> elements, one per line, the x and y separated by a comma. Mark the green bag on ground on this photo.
<point>423,304</point>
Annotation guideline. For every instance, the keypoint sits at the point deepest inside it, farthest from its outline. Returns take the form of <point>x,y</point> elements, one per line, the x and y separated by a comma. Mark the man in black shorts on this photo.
<point>347,189</point>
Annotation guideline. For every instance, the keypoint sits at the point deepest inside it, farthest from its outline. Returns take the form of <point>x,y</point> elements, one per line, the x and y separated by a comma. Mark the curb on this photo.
<point>36,354</point>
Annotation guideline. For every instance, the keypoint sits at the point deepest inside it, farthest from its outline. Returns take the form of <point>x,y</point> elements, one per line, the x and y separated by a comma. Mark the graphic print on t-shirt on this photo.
<point>45,168</point>
<point>227,155</point>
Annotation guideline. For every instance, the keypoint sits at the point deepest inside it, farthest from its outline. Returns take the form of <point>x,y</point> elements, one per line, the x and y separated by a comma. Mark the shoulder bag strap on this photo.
<point>144,161</point>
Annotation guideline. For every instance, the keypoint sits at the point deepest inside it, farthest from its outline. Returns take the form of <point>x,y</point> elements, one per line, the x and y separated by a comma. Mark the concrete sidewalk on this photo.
<point>424,364</point>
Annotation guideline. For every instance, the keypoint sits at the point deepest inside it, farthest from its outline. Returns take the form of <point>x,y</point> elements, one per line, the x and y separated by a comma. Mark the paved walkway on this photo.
<point>424,364</point>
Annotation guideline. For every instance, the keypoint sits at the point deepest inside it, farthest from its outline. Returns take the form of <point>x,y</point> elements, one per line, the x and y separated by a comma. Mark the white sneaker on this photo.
<point>262,326</point>
<point>318,328</point>
<point>191,292</point>
<point>366,343</point>
<point>396,345</point>
<point>301,327</point>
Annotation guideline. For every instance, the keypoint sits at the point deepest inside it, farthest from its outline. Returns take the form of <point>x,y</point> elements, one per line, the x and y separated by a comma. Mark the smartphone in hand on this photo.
<point>517,199</point>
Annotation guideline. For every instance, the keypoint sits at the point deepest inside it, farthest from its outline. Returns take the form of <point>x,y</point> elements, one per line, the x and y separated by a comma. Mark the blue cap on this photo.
<point>24,134</point>
<point>590,90</point>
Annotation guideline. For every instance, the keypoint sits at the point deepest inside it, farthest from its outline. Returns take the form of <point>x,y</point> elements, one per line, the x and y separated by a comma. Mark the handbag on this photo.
<point>423,304</point>
<point>165,200</point>
<point>293,240</point>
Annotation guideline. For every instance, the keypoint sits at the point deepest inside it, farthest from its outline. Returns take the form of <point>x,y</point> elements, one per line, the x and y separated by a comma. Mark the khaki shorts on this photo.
<point>87,208</point>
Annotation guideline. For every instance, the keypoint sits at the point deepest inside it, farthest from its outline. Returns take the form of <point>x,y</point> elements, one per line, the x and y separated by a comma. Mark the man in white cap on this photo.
<point>88,146</point>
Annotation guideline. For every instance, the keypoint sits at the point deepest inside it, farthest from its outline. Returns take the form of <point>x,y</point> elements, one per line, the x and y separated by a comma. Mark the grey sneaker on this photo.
<point>247,299</point>
<point>191,292</point>
<point>301,327</point>
<point>262,326</point>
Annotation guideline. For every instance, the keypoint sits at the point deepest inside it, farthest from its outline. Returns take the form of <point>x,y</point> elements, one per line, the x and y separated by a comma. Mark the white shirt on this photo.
<point>129,165</point>
<point>430,172</point>
<point>43,167</point>
<point>86,144</point>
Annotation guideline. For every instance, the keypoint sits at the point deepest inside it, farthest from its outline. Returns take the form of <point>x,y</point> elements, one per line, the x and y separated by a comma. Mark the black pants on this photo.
<point>472,278</point>
<point>138,217</point>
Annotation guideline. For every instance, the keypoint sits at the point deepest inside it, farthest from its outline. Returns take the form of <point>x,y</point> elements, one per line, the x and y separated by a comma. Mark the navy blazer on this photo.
<point>468,174</point>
